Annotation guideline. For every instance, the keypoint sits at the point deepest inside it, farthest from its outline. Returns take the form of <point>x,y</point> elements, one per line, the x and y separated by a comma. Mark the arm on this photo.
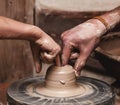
<point>16,30</point>
<point>86,36</point>
<point>42,44</point>
<point>112,18</point>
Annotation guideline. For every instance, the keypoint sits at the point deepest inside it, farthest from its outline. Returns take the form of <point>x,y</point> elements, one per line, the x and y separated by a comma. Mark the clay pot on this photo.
<point>60,87</point>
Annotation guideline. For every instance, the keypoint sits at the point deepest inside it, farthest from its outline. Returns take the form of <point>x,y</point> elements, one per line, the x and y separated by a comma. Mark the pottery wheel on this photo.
<point>60,88</point>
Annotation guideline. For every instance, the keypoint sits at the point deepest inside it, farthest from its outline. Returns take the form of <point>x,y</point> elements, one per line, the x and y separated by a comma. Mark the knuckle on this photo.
<point>59,48</point>
<point>56,49</point>
<point>63,35</point>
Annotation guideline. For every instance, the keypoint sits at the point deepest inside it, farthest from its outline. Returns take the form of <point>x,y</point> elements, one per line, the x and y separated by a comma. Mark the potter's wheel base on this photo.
<point>20,93</point>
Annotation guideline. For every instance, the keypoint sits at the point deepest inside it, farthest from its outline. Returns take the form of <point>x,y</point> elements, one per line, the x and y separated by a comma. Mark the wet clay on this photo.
<point>61,82</point>
<point>60,87</point>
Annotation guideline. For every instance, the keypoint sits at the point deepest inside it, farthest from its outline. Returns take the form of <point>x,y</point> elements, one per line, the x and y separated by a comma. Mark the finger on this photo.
<point>45,57</point>
<point>35,53</point>
<point>74,56</point>
<point>84,54</point>
<point>58,60</point>
<point>48,57</point>
<point>66,54</point>
<point>80,62</point>
<point>38,66</point>
<point>50,50</point>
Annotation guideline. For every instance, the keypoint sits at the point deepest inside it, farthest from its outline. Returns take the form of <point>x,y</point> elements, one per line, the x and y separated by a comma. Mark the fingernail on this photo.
<point>38,67</point>
<point>76,67</point>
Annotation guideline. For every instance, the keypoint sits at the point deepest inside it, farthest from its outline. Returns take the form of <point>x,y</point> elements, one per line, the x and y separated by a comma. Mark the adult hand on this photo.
<point>42,45</point>
<point>84,38</point>
<point>44,48</point>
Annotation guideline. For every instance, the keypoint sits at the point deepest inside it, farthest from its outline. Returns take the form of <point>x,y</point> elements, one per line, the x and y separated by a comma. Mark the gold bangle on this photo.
<point>103,21</point>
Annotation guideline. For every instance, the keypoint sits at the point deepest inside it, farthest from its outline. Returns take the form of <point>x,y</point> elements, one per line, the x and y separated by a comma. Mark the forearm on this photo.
<point>102,24</point>
<point>112,18</point>
<point>11,29</point>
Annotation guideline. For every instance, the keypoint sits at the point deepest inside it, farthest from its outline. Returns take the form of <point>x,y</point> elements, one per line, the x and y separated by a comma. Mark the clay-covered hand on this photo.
<point>41,43</point>
<point>44,48</point>
<point>84,38</point>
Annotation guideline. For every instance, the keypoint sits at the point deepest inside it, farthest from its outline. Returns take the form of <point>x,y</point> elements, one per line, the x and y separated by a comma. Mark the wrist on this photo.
<point>112,17</point>
<point>103,21</point>
<point>34,33</point>
<point>99,27</point>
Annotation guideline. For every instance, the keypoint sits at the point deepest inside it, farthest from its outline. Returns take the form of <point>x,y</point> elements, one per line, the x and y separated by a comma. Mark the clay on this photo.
<point>27,92</point>
<point>59,87</point>
<point>115,52</point>
<point>60,82</point>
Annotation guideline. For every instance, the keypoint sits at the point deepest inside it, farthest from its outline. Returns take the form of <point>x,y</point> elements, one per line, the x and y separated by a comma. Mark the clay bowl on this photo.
<point>108,53</point>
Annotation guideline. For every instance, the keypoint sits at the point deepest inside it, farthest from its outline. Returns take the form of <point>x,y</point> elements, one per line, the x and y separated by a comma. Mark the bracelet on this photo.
<point>103,21</point>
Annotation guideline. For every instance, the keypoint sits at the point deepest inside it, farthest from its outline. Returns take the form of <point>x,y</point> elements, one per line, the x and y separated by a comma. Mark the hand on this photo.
<point>44,48</point>
<point>41,43</point>
<point>84,38</point>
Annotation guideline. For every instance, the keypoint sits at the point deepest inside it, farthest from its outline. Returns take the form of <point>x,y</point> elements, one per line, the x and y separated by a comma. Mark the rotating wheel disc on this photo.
<point>19,94</point>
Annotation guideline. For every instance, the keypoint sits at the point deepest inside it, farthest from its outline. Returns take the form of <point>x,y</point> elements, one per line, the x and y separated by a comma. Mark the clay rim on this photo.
<point>104,52</point>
